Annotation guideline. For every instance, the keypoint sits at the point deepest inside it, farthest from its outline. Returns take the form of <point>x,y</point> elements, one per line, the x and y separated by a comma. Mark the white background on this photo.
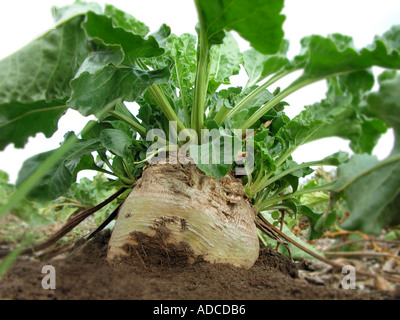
<point>22,21</point>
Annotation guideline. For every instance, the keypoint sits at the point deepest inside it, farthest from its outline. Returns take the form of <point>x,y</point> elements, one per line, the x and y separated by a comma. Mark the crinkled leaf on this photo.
<point>252,106</point>
<point>225,62</point>
<point>327,56</point>
<point>357,84</point>
<point>258,66</point>
<point>182,51</point>
<point>100,29</point>
<point>321,120</point>
<point>161,35</point>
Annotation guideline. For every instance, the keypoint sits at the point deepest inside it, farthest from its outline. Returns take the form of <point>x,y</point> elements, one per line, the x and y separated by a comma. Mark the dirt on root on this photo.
<point>86,274</point>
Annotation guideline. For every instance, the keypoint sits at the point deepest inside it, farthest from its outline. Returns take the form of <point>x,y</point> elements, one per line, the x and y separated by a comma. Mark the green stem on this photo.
<point>267,180</point>
<point>201,84</point>
<point>277,199</point>
<point>165,106</point>
<point>162,101</point>
<point>182,96</point>
<point>284,156</point>
<point>242,103</point>
<point>301,82</point>
<point>274,101</point>
<point>138,127</point>
<point>125,180</point>
<point>105,171</point>
<point>221,114</point>
<point>127,171</point>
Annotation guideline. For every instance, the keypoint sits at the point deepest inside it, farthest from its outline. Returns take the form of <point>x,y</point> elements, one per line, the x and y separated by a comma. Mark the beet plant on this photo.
<point>202,165</point>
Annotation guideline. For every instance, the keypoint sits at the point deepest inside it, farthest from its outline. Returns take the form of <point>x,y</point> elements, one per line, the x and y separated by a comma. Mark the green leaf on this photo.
<point>324,57</point>
<point>125,20</point>
<point>58,178</point>
<point>117,141</point>
<point>216,157</point>
<point>386,103</point>
<point>93,129</point>
<point>335,55</point>
<point>313,218</point>
<point>111,72</point>
<point>370,188</point>
<point>18,121</point>
<point>162,35</point>
<point>225,60</point>
<point>182,51</point>
<point>62,14</point>
<point>332,117</point>
<point>327,220</point>
<point>335,159</point>
<point>258,66</point>
<point>254,20</point>
<point>101,30</point>
<point>34,82</point>
<point>99,81</point>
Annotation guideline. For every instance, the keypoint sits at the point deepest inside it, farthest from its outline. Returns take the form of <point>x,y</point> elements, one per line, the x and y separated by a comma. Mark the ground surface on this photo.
<point>85,274</point>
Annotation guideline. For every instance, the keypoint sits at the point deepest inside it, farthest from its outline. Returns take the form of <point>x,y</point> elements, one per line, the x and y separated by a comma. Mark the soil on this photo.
<point>85,274</point>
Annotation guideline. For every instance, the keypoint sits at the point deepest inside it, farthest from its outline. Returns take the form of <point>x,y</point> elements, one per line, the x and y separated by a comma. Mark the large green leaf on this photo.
<point>111,71</point>
<point>34,82</point>
<point>257,21</point>
<point>372,187</point>
<point>332,56</point>
<point>370,190</point>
